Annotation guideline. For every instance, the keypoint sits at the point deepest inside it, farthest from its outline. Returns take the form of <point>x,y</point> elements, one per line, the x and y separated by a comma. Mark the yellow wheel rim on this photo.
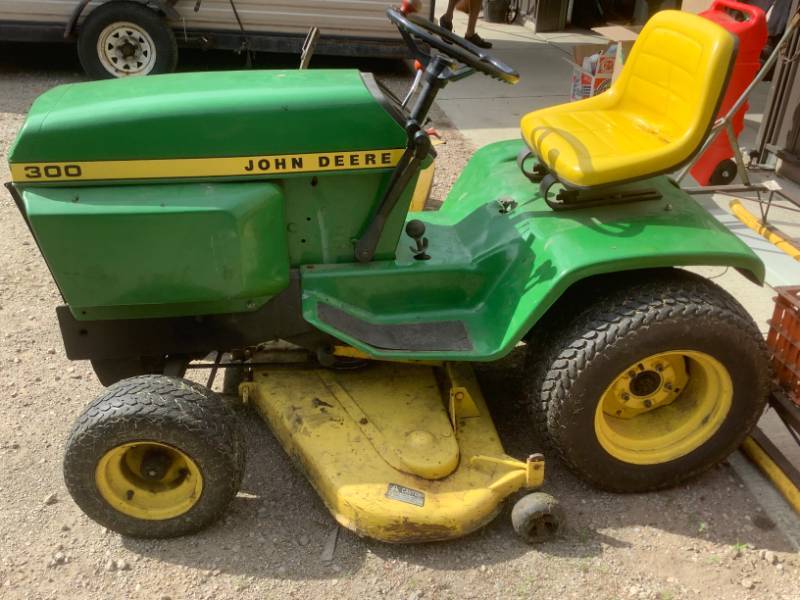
<point>663,407</point>
<point>149,480</point>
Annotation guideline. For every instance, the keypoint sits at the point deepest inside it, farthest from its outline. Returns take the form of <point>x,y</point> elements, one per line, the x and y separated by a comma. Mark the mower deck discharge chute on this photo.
<point>195,215</point>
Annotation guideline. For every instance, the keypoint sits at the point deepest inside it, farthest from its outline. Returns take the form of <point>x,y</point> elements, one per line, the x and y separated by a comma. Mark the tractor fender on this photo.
<point>166,7</point>
<point>556,250</point>
<point>499,258</point>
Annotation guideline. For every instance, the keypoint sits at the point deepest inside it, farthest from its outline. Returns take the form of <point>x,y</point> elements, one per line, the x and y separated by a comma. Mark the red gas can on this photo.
<point>716,166</point>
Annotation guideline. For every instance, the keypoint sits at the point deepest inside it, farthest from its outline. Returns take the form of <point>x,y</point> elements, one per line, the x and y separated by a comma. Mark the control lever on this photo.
<point>415,229</point>
<point>419,147</point>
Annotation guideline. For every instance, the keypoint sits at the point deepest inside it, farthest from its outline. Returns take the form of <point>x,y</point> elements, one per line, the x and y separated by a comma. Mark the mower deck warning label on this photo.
<point>404,494</point>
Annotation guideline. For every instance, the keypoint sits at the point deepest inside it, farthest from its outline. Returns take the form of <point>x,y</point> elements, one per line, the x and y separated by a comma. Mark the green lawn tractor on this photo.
<point>262,218</point>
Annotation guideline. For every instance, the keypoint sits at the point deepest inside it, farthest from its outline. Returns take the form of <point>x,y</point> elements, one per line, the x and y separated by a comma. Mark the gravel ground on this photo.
<point>707,539</point>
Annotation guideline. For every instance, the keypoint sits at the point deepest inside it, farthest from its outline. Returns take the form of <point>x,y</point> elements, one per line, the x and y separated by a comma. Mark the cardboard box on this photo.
<point>607,61</point>
<point>593,76</point>
<point>611,55</point>
<point>696,6</point>
<point>586,85</point>
<point>621,34</point>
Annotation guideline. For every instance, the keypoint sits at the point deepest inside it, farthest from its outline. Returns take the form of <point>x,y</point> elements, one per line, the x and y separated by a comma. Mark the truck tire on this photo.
<point>155,457</point>
<point>657,378</point>
<point>123,39</point>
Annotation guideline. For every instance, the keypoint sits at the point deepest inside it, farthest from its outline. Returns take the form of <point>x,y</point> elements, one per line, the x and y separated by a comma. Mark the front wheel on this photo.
<point>124,39</point>
<point>656,379</point>
<point>155,456</point>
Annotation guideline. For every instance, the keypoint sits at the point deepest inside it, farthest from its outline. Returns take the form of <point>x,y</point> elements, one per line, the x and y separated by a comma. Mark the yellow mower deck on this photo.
<point>398,452</point>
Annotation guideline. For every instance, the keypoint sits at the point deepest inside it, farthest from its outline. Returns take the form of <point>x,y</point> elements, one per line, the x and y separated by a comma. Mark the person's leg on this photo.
<point>474,10</point>
<point>470,35</point>
<point>446,20</point>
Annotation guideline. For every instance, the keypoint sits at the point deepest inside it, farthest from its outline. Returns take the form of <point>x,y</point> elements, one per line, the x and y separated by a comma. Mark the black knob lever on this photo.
<point>415,229</point>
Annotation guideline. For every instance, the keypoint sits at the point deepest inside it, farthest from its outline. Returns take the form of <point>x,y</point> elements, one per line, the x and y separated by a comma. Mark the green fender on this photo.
<point>497,273</point>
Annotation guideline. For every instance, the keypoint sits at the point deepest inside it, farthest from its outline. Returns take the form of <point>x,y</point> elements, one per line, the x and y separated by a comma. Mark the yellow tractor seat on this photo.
<point>652,119</point>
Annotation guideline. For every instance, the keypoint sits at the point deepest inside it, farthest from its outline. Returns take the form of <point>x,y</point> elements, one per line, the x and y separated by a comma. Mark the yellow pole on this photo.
<point>779,479</point>
<point>764,230</point>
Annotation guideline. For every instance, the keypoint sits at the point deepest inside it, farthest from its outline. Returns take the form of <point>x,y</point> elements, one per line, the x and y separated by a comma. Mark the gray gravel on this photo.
<point>707,539</point>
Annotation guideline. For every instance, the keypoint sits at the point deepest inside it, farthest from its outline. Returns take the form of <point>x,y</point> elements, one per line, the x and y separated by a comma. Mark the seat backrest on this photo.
<point>675,76</point>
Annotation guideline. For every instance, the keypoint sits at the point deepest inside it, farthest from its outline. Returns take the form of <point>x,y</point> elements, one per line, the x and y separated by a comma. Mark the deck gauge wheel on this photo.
<point>537,517</point>
<point>126,39</point>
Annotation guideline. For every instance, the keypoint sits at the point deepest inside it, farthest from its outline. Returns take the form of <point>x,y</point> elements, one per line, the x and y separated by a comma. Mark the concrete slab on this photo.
<point>486,110</point>
<point>768,497</point>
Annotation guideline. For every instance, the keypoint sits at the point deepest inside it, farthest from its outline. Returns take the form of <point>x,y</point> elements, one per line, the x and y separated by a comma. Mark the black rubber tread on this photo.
<point>166,47</point>
<point>608,323</point>
<point>177,412</point>
<point>110,371</point>
<point>535,509</point>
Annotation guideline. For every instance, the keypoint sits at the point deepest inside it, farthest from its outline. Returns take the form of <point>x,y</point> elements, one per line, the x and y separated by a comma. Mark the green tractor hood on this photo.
<point>247,175</point>
<point>279,120</point>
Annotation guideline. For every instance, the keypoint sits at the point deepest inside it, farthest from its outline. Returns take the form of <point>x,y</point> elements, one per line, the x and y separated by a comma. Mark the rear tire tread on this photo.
<point>619,311</point>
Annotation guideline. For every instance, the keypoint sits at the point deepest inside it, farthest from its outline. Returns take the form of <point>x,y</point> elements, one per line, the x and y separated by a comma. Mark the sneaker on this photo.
<point>478,41</point>
<point>446,23</point>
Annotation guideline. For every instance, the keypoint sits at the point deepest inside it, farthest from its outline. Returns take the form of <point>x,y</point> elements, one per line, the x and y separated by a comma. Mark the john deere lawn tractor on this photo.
<point>193,216</point>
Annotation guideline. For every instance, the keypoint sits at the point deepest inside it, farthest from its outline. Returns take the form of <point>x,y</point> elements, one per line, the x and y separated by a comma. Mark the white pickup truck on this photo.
<point>119,38</point>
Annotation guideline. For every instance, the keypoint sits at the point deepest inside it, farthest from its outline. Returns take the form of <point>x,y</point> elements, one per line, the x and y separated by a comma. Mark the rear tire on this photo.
<point>123,39</point>
<point>155,457</point>
<point>645,335</point>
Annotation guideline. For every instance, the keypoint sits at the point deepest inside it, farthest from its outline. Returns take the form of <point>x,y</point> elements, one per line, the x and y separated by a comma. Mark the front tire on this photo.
<point>124,39</point>
<point>657,380</point>
<point>155,457</point>
<point>111,370</point>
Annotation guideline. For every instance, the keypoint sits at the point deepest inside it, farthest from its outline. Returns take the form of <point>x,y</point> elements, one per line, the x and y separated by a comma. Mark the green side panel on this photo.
<point>162,250</point>
<point>201,115</point>
<point>499,273</point>
<point>325,214</point>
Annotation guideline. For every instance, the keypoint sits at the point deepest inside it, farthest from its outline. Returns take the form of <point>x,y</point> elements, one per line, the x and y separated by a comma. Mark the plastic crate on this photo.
<point>783,340</point>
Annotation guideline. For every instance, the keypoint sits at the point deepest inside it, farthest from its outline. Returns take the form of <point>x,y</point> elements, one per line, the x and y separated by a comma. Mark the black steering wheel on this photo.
<point>413,27</point>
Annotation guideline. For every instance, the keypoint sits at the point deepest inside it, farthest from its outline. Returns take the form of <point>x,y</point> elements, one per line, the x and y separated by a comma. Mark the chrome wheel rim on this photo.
<point>125,49</point>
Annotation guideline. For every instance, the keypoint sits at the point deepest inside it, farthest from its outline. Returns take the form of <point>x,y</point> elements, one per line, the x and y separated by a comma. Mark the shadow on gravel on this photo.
<point>278,526</point>
<point>713,507</point>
